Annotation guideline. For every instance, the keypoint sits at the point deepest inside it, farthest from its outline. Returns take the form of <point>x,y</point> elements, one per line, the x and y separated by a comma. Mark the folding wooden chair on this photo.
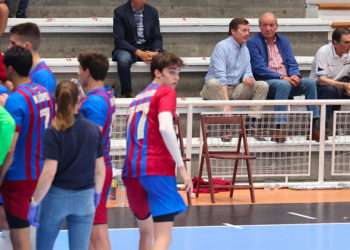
<point>182,150</point>
<point>236,155</point>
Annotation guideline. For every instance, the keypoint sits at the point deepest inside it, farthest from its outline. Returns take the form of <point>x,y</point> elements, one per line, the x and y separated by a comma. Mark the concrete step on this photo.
<point>190,37</point>
<point>192,77</point>
<point>168,8</point>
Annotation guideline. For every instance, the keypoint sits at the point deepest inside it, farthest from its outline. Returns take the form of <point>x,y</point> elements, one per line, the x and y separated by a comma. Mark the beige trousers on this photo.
<point>213,90</point>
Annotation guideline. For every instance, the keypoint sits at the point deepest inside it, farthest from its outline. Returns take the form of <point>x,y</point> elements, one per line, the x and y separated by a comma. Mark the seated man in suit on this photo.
<point>137,37</point>
<point>272,60</point>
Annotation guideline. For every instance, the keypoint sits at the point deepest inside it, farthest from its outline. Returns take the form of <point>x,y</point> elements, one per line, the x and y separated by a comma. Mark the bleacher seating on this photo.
<point>190,37</point>
<point>168,8</point>
<point>328,9</point>
<point>192,64</point>
<point>169,25</point>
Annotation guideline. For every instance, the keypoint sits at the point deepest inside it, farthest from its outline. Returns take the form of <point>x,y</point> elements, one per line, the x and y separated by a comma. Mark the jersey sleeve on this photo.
<point>95,110</point>
<point>51,145</point>
<point>167,100</point>
<point>14,105</point>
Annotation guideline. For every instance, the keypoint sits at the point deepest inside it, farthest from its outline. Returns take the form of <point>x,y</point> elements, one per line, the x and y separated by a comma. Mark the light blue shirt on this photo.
<point>229,62</point>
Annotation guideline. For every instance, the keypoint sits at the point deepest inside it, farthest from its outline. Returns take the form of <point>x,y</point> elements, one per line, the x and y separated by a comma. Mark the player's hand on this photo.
<point>9,85</point>
<point>186,178</point>
<point>97,199</point>
<point>33,215</point>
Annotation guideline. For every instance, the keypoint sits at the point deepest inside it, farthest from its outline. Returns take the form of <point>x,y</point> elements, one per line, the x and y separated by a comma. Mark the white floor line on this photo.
<point>302,215</point>
<point>231,225</point>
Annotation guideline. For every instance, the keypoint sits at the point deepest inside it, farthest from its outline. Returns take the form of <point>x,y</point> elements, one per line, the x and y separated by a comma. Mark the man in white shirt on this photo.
<point>331,69</point>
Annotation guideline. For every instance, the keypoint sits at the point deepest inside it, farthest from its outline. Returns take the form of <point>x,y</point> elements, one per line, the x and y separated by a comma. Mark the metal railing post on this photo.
<point>321,165</point>
<point>189,137</point>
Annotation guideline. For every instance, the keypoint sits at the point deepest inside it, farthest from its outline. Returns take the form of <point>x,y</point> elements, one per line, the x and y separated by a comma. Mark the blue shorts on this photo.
<point>155,195</point>
<point>1,200</point>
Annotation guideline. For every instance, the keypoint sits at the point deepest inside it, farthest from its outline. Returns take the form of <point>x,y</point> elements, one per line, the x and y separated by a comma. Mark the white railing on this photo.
<point>337,145</point>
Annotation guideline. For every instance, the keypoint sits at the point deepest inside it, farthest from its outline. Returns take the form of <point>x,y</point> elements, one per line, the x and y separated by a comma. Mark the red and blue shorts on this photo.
<point>16,196</point>
<point>153,195</point>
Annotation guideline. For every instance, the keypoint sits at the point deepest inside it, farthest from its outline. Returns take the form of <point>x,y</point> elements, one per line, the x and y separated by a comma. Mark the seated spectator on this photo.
<point>229,75</point>
<point>331,68</point>
<point>272,60</point>
<point>21,10</point>
<point>137,37</point>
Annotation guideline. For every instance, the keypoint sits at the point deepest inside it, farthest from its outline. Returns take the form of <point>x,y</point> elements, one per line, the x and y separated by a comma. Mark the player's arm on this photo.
<point>100,172</point>
<point>166,129</point>
<point>14,106</point>
<point>45,180</point>
<point>9,158</point>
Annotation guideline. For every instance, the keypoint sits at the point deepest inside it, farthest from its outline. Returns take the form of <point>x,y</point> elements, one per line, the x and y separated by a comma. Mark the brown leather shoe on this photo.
<point>278,136</point>
<point>316,135</point>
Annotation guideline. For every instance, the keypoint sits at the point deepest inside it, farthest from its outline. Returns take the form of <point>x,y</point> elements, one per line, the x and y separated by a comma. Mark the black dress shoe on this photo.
<point>128,95</point>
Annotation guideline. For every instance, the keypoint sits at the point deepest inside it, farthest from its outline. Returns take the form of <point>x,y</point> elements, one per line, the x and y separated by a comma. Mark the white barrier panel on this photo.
<point>291,158</point>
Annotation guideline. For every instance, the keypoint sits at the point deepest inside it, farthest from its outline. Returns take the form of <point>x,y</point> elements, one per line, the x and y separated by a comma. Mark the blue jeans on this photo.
<point>330,92</point>
<point>74,206</point>
<point>283,90</point>
<point>124,61</point>
<point>22,7</point>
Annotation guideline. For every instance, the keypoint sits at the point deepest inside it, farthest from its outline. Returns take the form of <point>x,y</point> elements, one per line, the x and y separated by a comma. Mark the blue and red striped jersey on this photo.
<point>98,107</point>
<point>31,107</point>
<point>146,151</point>
<point>43,75</point>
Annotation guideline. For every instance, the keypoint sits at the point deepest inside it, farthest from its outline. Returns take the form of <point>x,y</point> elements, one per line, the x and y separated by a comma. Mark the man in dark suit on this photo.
<point>137,37</point>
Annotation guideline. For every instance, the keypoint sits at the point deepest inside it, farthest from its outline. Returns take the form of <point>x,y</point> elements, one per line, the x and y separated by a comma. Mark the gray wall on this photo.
<point>183,44</point>
<point>169,8</point>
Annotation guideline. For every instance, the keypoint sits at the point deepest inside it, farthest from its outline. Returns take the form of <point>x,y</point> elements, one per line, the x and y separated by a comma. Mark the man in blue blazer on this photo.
<point>137,37</point>
<point>273,61</point>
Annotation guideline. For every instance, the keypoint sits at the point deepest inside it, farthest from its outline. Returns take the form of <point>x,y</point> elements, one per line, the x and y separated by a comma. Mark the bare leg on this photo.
<point>146,233</point>
<point>99,238</point>
<point>20,239</point>
<point>3,221</point>
<point>162,235</point>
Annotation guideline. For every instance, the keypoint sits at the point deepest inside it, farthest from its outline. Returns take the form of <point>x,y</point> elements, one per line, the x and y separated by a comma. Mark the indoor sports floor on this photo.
<point>280,219</point>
